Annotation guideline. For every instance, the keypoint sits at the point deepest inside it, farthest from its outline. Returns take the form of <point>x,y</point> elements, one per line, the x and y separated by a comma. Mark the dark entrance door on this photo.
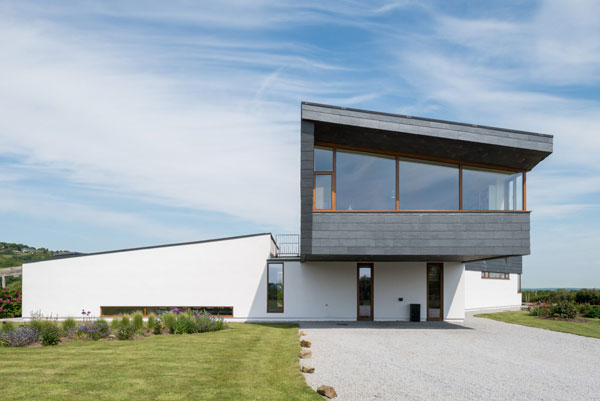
<point>365,291</point>
<point>435,292</point>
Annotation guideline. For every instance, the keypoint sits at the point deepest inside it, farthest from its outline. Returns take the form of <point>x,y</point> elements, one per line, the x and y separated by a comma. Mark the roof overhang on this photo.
<point>501,147</point>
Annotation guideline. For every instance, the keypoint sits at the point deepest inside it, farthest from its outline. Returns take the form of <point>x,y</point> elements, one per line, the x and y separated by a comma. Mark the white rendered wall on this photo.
<point>229,273</point>
<point>327,290</point>
<point>218,273</point>
<point>484,293</point>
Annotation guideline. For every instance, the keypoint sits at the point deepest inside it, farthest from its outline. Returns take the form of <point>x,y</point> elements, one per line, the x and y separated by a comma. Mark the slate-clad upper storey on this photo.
<point>443,139</point>
<point>430,235</point>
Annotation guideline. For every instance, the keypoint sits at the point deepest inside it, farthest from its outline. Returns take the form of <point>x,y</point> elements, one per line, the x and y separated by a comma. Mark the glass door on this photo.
<point>435,293</point>
<point>365,291</point>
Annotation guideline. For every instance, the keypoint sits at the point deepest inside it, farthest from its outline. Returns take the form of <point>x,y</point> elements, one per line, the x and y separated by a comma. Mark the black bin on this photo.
<point>415,312</point>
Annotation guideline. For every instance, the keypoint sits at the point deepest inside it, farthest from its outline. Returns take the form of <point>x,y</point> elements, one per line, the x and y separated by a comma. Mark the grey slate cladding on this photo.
<point>501,265</point>
<point>426,236</point>
<point>415,236</point>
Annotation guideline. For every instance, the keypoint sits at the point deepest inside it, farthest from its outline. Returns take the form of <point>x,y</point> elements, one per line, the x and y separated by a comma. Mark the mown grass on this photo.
<point>591,328</point>
<point>245,362</point>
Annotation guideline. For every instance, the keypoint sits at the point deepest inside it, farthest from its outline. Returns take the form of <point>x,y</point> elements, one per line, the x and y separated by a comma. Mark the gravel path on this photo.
<point>480,360</point>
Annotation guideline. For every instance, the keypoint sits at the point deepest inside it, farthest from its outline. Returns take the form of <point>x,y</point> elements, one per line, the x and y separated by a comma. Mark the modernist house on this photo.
<point>395,210</point>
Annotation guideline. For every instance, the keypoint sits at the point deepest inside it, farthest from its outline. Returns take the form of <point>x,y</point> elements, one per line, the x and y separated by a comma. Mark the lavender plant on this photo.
<point>19,337</point>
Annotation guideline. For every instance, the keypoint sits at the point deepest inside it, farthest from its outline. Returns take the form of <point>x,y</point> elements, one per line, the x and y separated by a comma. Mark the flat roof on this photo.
<point>462,142</point>
<point>406,116</point>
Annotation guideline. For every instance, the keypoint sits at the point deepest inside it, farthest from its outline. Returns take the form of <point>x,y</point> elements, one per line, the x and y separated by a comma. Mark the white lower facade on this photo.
<point>233,273</point>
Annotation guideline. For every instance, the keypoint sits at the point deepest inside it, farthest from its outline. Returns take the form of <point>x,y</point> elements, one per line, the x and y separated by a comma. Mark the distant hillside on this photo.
<point>16,254</point>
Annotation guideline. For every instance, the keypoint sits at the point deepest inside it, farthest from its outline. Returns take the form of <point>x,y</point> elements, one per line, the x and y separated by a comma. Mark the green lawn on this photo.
<point>245,362</point>
<point>588,329</point>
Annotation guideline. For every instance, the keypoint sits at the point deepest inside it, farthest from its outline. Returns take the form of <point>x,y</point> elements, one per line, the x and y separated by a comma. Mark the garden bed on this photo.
<point>49,332</point>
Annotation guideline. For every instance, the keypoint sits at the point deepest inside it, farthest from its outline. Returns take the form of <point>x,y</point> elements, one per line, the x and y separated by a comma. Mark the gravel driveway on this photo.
<point>480,360</point>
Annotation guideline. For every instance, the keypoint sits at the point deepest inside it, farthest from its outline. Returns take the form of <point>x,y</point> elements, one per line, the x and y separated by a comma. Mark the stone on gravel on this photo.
<point>305,353</point>
<point>327,391</point>
<point>302,332</point>
<point>307,369</point>
<point>305,343</point>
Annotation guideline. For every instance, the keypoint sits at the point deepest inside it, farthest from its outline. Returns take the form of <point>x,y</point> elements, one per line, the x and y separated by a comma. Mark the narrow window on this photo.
<point>519,290</point>
<point>323,192</point>
<point>275,287</point>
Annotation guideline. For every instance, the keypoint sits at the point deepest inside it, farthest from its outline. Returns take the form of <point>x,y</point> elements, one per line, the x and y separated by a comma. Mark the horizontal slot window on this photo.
<point>493,275</point>
<point>224,311</point>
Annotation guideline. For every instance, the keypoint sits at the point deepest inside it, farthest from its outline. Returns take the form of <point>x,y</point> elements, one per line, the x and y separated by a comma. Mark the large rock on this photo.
<point>305,343</point>
<point>326,391</point>
<point>302,333</point>
<point>305,353</point>
<point>307,369</point>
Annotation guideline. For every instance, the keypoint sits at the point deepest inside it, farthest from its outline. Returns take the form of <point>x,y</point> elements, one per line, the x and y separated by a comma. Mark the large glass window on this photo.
<point>323,159</point>
<point>425,185</point>
<point>323,191</point>
<point>365,181</point>
<point>275,287</point>
<point>485,189</point>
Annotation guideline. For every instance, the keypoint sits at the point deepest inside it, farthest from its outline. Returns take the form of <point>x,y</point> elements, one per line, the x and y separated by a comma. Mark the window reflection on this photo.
<point>323,159</point>
<point>485,189</point>
<point>323,191</point>
<point>365,181</point>
<point>427,185</point>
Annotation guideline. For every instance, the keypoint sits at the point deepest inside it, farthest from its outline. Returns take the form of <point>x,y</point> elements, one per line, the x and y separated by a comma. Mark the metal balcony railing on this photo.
<point>289,244</point>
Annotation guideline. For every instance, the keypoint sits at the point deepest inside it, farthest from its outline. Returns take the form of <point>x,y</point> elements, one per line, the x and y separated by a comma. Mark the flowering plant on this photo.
<point>19,337</point>
<point>10,303</point>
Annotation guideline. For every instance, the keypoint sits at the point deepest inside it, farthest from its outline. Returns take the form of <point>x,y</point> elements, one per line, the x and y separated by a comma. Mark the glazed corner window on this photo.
<point>493,275</point>
<point>485,189</point>
<point>275,287</point>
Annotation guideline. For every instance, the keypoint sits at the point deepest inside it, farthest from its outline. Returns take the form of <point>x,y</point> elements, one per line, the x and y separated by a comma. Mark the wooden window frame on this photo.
<point>282,286</point>
<point>144,309</point>
<point>398,155</point>
<point>441,318</point>
<point>486,275</point>
<point>372,315</point>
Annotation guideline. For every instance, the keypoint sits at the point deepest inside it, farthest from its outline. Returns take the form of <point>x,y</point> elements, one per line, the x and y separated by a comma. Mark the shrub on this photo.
<point>19,337</point>
<point>583,309</point>
<point>594,312</point>
<point>125,321</point>
<point>126,332</point>
<point>158,327</point>
<point>69,324</point>
<point>540,309</point>
<point>184,324</point>
<point>94,330</point>
<point>586,296</point>
<point>151,321</point>
<point>138,320</point>
<point>169,320</point>
<point>50,334</point>
<point>563,309</point>
<point>10,303</point>
<point>115,323</point>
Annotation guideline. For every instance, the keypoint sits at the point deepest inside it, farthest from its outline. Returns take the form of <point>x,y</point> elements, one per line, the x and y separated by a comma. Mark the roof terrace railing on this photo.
<point>289,244</point>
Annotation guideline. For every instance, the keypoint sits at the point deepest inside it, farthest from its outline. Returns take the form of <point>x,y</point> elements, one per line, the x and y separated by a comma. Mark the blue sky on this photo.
<point>125,126</point>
